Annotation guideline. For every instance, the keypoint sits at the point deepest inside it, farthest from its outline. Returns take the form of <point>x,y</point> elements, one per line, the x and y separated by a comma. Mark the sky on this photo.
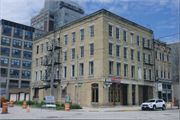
<point>161,16</point>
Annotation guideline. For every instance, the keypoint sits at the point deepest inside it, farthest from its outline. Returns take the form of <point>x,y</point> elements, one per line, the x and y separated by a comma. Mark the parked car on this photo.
<point>3,100</point>
<point>154,104</point>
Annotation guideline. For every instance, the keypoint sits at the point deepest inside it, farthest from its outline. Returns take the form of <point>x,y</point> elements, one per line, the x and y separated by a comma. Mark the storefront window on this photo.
<point>169,96</point>
<point>164,95</point>
<point>168,86</point>
<point>94,92</point>
<point>159,94</point>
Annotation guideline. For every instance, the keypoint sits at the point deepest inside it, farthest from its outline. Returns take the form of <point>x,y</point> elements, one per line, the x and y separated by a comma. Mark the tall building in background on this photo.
<point>16,59</point>
<point>57,13</point>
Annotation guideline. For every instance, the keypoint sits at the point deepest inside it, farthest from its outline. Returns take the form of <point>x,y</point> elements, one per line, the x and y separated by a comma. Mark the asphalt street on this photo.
<point>17,112</point>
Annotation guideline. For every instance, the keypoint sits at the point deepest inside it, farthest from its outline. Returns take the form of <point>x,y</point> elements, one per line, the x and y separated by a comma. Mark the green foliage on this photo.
<point>75,106</point>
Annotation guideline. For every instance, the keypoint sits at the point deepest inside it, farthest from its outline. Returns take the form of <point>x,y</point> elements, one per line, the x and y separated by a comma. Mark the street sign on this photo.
<point>80,83</point>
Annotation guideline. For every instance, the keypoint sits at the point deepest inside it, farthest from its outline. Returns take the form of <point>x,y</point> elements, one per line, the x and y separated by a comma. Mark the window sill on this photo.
<point>90,76</point>
<point>81,40</point>
<point>118,57</point>
<point>91,37</point>
<point>81,76</point>
<point>72,59</point>
<point>94,103</point>
<point>91,55</point>
<point>81,57</point>
<point>110,36</point>
<point>118,39</point>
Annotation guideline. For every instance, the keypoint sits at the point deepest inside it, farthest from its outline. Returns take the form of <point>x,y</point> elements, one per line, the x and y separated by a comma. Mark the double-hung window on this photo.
<point>65,39</point>
<point>167,58</point>
<point>139,56</point>
<point>91,68</point>
<point>118,69</point>
<point>110,67</point>
<point>138,40</point>
<point>118,50</point>
<point>64,71</point>
<point>118,33</point>
<point>73,37</point>
<point>110,48</point>
<point>46,46</point>
<point>82,51</point>
<point>150,75</point>
<point>65,55</point>
<point>133,71</point>
<point>132,38</point>
<point>72,70</point>
<point>73,53</point>
<point>125,52</point>
<point>156,55</point>
<point>36,62</point>
<point>144,42</point>
<point>125,70</point>
<point>168,75</point>
<point>91,46</point>
<point>149,59</point>
<point>161,74</point>
<point>164,74</point>
<point>41,60</point>
<point>81,69</point>
<point>144,57</point>
<point>40,75</point>
<point>82,34</point>
<point>41,48</point>
<point>110,30</point>
<point>163,57</point>
<point>149,43</point>
<point>132,54</point>
<point>35,76</point>
<point>125,35</point>
<point>144,74</point>
<point>91,31</point>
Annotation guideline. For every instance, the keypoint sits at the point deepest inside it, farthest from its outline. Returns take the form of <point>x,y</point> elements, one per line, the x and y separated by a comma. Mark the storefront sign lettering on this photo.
<point>115,80</point>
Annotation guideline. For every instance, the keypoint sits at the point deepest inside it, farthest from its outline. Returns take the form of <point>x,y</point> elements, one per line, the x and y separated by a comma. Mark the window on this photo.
<point>168,75</point>
<point>110,48</point>
<point>91,70</point>
<point>57,57</point>
<point>91,49</point>
<point>110,67</point>
<point>6,40</point>
<point>157,73</point>
<point>16,52</point>
<point>26,73</point>
<point>167,58</point>
<point>72,70</point>
<point>94,92</point>
<point>117,33</point>
<point>5,51</point>
<point>118,50</point>
<point>45,74</point>
<point>149,43</point>
<point>164,74</point>
<point>133,71</point>
<point>46,46</point>
<point>163,57</point>
<point>64,72</point>
<point>139,56</point>
<point>125,36</point>
<point>27,54</point>
<point>37,49</point>
<point>66,14</point>
<point>91,31</point>
<point>132,38</point>
<point>82,34</point>
<point>17,43</point>
<point>160,56</point>
<point>28,45</point>
<point>156,55</point>
<point>35,76</point>
<point>14,72</point>
<point>4,61</point>
<point>144,42</point>
<point>110,30</point>
<point>73,54</point>
<point>65,40</point>
<point>7,29</point>
<point>125,52</point>
<point>149,59</point>
<point>144,57</point>
<point>138,40</point>
<point>65,55</point>
<point>57,73</point>
<point>73,37</point>
<point>15,62</point>
<point>139,72</point>
<point>36,62</point>
<point>17,32</point>
<point>150,75</point>
<point>40,75</point>
<point>144,74</point>
<point>161,74</point>
<point>82,51</point>
<point>118,69</point>
<point>81,69</point>
<point>132,54</point>
<point>41,60</point>
<point>41,48</point>
<point>29,34</point>
<point>26,63</point>
<point>125,70</point>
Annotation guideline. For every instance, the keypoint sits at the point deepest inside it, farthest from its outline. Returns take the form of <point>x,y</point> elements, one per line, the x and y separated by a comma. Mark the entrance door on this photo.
<point>114,94</point>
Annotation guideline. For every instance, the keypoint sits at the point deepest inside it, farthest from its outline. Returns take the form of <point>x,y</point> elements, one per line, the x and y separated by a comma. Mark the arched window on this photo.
<point>95,93</point>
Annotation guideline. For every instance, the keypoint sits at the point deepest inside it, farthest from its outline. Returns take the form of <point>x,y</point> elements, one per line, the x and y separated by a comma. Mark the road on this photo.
<point>35,113</point>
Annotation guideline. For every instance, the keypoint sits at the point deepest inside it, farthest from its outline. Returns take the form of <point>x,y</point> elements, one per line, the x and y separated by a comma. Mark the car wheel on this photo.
<point>154,107</point>
<point>163,107</point>
<point>142,108</point>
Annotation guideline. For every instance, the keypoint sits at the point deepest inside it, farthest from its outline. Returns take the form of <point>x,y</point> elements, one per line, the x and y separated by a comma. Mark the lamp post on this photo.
<point>157,78</point>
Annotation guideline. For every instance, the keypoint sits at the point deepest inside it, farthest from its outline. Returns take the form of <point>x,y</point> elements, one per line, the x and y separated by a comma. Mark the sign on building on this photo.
<point>159,86</point>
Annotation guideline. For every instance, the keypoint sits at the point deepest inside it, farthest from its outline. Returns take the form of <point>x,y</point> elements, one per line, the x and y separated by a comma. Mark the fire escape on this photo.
<point>47,62</point>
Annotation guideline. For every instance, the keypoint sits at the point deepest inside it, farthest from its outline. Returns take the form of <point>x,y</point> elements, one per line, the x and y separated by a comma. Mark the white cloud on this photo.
<point>20,11</point>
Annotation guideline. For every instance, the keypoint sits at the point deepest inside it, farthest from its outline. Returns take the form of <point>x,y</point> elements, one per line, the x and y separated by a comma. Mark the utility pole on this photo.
<point>77,79</point>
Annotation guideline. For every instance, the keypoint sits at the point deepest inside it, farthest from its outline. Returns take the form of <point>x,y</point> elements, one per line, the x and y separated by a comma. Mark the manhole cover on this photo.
<point>52,117</point>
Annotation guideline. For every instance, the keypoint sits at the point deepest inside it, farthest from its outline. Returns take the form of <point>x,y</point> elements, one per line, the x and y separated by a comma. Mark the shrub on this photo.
<point>75,106</point>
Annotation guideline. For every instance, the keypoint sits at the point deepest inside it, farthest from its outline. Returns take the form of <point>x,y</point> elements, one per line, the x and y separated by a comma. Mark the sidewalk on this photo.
<point>119,108</point>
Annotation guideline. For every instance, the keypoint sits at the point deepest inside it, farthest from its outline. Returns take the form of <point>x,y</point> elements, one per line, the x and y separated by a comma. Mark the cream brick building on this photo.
<point>115,61</point>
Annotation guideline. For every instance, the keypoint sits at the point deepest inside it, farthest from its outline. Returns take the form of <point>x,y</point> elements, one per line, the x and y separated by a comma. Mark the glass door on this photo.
<point>111,95</point>
<point>117,94</point>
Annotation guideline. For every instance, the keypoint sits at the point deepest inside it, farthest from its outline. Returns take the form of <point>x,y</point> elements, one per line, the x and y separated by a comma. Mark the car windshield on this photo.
<point>150,101</point>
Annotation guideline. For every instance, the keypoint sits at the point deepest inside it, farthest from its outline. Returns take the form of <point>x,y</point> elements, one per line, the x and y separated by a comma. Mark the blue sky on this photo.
<point>162,16</point>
